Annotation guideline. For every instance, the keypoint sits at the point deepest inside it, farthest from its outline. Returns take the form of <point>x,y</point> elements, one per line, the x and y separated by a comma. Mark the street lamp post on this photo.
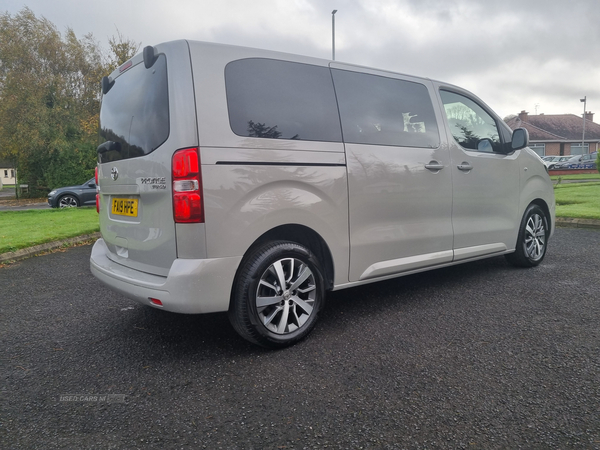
<point>584,100</point>
<point>333,33</point>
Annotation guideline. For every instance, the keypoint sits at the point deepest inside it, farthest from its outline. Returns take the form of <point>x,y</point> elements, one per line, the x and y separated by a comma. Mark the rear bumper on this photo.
<point>193,286</point>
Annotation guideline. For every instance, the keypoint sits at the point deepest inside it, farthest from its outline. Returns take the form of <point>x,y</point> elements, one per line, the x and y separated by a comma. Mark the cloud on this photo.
<point>513,53</point>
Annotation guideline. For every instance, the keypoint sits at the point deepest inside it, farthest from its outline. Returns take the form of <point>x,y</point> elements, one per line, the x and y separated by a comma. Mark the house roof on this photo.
<point>6,164</point>
<point>558,127</point>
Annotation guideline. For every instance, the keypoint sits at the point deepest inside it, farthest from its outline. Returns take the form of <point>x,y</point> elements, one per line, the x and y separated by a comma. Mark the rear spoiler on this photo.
<point>150,57</point>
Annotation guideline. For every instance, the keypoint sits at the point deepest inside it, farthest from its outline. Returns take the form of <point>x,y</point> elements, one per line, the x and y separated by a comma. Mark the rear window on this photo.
<point>135,112</point>
<point>281,100</point>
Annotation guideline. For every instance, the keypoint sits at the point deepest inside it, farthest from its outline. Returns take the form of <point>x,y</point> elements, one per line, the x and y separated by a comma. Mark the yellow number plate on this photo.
<point>125,206</point>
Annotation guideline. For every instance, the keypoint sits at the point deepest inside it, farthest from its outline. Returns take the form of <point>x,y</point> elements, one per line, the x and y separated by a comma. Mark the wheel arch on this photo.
<point>538,190</point>
<point>299,234</point>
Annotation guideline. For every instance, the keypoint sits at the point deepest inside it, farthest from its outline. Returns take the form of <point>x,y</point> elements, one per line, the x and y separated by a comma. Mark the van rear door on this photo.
<point>144,118</point>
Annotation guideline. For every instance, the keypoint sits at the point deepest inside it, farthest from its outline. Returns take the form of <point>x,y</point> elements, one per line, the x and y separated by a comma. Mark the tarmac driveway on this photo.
<point>478,356</point>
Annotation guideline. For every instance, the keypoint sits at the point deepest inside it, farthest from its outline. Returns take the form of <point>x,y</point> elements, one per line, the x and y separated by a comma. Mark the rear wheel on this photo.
<point>68,201</point>
<point>278,294</point>
<point>532,240</point>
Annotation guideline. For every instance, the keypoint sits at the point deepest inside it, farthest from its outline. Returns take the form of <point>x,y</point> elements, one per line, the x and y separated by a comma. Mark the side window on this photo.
<point>281,100</point>
<point>469,123</point>
<point>385,111</point>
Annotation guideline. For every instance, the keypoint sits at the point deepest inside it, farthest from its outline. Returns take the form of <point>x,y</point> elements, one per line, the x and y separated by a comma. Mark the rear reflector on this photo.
<point>188,206</point>
<point>155,301</point>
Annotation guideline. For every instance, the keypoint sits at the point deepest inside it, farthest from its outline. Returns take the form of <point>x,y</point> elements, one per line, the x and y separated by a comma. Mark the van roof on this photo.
<point>252,51</point>
<point>249,52</point>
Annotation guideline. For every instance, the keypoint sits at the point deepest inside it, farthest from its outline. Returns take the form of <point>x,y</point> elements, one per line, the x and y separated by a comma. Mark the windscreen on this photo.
<point>135,112</point>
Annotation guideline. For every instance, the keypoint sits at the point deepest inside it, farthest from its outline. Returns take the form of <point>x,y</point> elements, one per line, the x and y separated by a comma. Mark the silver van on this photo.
<point>253,182</point>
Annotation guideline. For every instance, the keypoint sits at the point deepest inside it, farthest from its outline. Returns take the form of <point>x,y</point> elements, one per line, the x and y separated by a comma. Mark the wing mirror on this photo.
<point>520,139</point>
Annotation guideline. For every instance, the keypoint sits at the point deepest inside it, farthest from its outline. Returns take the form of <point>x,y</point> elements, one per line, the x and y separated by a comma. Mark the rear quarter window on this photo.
<point>281,100</point>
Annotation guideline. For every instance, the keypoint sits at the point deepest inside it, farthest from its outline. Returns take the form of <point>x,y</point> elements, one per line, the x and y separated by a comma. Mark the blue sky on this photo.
<point>539,55</point>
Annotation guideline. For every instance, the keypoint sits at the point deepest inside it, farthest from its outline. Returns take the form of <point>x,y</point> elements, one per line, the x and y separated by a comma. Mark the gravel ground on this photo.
<point>478,356</point>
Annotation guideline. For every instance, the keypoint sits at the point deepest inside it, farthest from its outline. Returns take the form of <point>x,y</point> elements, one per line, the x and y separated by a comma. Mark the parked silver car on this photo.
<point>585,161</point>
<point>248,181</point>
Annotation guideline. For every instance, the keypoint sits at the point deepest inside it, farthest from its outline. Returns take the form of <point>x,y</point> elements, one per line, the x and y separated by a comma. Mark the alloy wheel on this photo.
<point>67,202</point>
<point>535,237</point>
<point>285,296</point>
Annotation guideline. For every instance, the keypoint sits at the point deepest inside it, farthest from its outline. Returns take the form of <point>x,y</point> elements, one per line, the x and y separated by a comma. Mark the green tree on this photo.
<point>122,50</point>
<point>50,97</point>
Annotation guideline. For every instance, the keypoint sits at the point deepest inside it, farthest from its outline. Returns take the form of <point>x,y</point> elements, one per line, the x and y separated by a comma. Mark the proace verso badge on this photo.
<point>114,173</point>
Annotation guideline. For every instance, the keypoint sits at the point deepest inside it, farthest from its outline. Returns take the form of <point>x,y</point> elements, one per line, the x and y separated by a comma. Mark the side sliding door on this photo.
<point>399,173</point>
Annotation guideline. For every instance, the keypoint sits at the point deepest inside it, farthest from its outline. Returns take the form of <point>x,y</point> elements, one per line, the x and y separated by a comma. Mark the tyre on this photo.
<point>532,240</point>
<point>278,293</point>
<point>68,201</point>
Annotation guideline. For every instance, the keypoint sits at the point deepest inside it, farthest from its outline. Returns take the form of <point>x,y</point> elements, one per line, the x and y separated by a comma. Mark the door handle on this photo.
<point>465,167</point>
<point>434,166</point>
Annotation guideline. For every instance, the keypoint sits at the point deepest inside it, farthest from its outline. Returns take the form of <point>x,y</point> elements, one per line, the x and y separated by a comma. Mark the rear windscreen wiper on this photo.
<point>109,146</point>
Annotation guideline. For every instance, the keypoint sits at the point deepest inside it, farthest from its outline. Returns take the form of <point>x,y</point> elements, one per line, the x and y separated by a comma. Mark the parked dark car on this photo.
<point>73,196</point>
<point>585,161</point>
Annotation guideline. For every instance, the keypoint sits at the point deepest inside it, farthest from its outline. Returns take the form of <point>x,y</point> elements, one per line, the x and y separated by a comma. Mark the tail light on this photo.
<point>188,206</point>
<point>97,191</point>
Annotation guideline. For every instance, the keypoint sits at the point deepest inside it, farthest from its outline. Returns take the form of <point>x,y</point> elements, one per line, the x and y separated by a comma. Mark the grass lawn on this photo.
<point>22,229</point>
<point>578,200</point>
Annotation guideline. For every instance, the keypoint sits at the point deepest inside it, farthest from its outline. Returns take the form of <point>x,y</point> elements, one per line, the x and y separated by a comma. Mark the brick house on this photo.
<point>558,134</point>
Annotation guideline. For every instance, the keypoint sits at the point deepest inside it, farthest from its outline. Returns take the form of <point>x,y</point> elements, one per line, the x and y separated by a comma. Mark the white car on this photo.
<point>552,161</point>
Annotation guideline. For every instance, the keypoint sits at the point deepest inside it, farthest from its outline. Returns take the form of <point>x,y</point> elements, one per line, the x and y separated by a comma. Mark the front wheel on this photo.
<point>278,294</point>
<point>532,240</point>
